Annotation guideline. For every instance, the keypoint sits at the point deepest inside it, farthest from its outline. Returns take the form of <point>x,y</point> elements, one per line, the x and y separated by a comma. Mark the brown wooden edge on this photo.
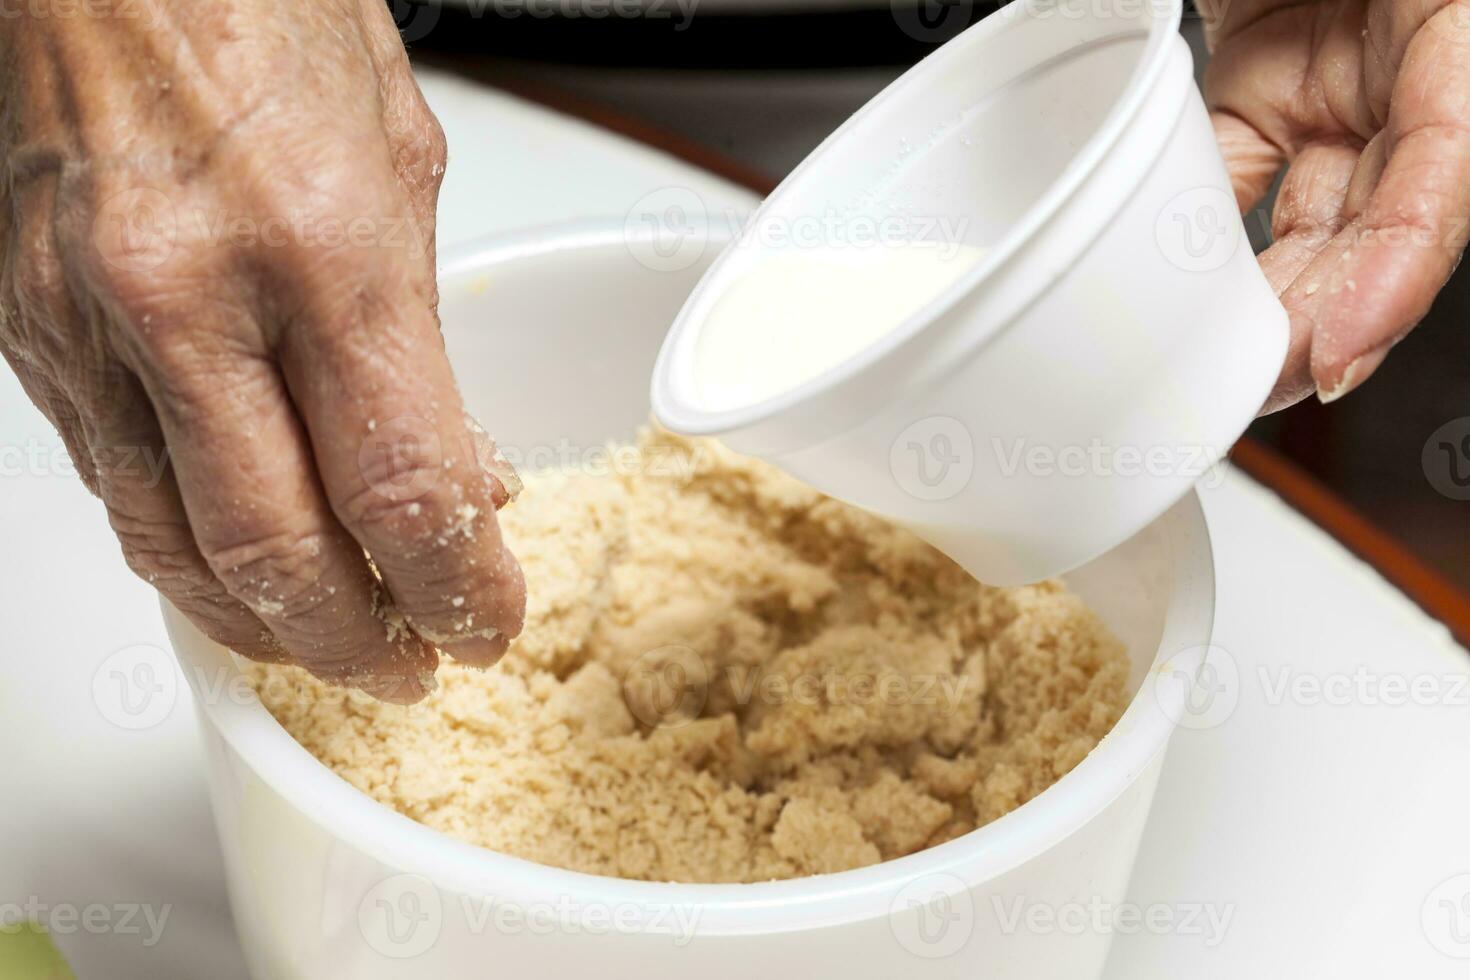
<point>1435,594</point>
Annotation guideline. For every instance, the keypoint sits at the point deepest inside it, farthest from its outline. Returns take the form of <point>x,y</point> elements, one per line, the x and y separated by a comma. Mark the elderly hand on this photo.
<point>1367,103</point>
<point>217,250</point>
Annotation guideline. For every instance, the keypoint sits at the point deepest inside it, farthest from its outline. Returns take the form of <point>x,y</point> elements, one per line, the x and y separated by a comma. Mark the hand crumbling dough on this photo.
<point>727,677</point>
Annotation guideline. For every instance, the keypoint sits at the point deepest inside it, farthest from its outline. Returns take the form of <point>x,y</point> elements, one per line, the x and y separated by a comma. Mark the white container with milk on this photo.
<point>1062,330</point>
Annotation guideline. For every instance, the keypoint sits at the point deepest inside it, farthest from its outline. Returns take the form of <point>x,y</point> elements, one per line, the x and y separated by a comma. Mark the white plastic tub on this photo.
<point>1113,341</point>
<point>552,335</point>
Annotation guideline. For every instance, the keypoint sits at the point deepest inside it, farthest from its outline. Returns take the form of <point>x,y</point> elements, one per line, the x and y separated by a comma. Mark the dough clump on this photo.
<point>727,677</point>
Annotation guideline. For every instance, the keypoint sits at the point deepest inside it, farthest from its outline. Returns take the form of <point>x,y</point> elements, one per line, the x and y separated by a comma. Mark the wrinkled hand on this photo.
<point>217,238</point>
<point>1368,104</point>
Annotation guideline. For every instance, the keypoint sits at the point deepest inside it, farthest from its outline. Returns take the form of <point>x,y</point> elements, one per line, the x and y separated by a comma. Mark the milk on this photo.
<point>798,312</point>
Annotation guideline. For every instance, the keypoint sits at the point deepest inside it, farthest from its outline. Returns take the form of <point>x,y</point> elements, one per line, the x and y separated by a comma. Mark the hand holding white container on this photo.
<point>1051,325</point>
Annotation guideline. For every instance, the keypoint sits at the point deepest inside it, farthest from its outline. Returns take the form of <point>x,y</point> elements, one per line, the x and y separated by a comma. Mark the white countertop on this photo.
<point>1323,822</point>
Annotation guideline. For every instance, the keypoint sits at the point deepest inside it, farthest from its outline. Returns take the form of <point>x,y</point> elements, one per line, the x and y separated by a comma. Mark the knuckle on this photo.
<point>330,210</point>
<point>193,370</point>
<point>342,290</point>
<point>277,575</point>
<point>435,145</point>
<point>345,265</point>
<point>190,281</point>
<point>401,468</point>
<point>137,294</point>
<point>133,231</point>
<point>163,555</point>
<point>387,512</point>
<point>423,148</point>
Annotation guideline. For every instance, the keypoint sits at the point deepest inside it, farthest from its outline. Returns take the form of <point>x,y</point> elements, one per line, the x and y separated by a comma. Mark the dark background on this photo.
<point>764,90</point>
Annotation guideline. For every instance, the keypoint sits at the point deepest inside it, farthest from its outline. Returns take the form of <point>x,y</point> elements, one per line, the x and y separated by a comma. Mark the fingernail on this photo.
<point>478,651</point>
<point>505,482</point>
<point>1358,370</point>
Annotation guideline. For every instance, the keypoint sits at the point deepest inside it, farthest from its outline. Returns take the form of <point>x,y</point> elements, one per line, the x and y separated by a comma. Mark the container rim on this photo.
<point>351,816</point>
<point>680,411</point>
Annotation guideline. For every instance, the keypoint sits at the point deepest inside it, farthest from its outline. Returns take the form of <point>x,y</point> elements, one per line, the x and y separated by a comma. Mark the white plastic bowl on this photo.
<point>552,335</point>
<point>1114,340</point>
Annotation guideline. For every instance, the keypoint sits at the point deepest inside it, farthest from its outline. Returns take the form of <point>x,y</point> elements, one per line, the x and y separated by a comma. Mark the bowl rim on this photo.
<point>679,410</point>
<point>343,812</point>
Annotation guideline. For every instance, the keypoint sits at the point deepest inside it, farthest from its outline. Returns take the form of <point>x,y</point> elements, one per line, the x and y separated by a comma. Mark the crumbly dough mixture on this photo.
<point>727,677</point>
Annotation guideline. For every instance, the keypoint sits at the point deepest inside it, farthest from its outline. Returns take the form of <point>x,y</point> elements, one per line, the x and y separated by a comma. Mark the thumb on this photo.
<point>1252,160</point>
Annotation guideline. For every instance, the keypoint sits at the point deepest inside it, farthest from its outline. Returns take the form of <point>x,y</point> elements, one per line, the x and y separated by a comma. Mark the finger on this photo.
<point>1292,72</point>
<point>114,439</point>
<point>246,477</point>
<point>1411,231</point>
<point>415,138</point>
<point>146,512</point>
<point>368,373</point>
<point>505,482</point>
<point>31,280</point>
<point>1306,220</point>
<point>1389,28</point>
<point>1365,177</point>
<point>1252,160</point>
